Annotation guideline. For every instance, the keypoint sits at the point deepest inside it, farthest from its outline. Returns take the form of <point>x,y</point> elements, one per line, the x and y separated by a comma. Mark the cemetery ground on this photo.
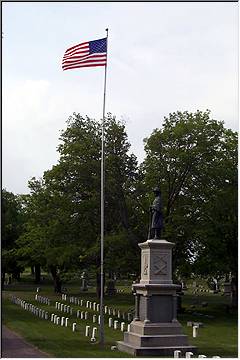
<point>217,336</point>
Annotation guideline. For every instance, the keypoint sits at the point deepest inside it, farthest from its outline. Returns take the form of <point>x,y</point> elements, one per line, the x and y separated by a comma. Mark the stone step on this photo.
<point>155,340</point>
<point>154,351</point>
<point>140,328</point>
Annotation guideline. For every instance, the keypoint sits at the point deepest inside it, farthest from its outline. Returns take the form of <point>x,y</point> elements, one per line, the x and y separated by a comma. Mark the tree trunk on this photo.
<point>3,278</point>
<point>234,292</point>
<point>56,279</point>
<point>37,274</point>
<point>32,271</point>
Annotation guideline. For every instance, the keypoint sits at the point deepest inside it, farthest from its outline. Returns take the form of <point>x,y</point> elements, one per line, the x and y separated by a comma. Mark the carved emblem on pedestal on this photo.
<point>160,265</point>
<point>145,264</point>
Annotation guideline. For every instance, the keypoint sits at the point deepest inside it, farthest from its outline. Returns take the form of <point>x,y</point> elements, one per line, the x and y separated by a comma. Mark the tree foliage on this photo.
<point>194,160</point>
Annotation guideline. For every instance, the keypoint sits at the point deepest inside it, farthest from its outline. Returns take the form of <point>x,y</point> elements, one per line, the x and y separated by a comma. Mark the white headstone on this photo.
<point>99,319</point>
<point>94,306</point>
<point>62,321</point>
<point>66,322</point>
<point>87,330</point>
<point>195,331</point>
<point>115,324</point>
<point>86,315</point>
<point>122,326</point>
<point>52,317</point>
<point>177,353</point>
<point>82,315</point>
<point>94,319</point>
<point>58,320</point>
<point>110,322</point>
<point>74,327</point>
<point>81,302</point>
<point>128,328</point>
<point>94,332</point>
<point>62,306</point>
<point>119,314</point>
<point>202,356</point>
<point>98,307</point>
<point>188,354</point>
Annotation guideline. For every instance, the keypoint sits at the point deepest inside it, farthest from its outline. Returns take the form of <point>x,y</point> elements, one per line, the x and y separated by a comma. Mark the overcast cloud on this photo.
<point>163,57</point>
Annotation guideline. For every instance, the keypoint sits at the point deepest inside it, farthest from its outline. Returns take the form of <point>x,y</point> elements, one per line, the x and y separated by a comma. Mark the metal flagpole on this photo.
<point>101,333</point>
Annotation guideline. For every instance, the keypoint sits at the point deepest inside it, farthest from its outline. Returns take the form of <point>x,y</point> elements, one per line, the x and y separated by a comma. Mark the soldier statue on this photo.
<point>156,216</point>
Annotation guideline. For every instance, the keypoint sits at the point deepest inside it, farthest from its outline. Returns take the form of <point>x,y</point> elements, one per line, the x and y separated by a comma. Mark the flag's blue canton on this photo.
<point>98,46</point>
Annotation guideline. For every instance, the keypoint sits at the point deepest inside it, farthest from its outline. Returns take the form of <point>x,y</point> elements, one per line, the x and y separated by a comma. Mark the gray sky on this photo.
<point>162,57</point>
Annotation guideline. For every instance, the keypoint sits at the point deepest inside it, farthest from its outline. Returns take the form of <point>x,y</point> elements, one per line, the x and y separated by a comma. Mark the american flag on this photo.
<point>91,53</point>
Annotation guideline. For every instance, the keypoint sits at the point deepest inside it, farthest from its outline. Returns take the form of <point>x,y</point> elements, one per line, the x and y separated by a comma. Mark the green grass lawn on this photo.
<point>217,337</point>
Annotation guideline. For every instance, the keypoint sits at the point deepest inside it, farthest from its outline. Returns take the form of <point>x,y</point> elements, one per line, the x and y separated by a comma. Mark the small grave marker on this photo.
<point>177,354</point>
<point>115,325</point>
<point>87,330</point>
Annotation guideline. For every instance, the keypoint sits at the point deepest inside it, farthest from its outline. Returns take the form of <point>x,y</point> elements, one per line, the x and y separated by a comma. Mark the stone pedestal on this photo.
<point>155,329</point>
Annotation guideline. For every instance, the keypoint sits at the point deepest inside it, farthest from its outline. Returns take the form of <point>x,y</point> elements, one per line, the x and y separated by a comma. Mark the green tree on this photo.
<point>63,231</point>
<point>12,227</point>
<point>191,157</point>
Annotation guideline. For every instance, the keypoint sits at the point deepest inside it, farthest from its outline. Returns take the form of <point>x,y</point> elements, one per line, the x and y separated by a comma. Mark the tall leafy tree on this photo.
<point>192,157</point>
<point>12,227</point>
<point>65,203</point>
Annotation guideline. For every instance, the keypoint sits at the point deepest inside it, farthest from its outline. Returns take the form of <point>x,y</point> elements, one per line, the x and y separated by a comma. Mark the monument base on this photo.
<point>155,330</point>
<point>153,351</point>
<point>155,339</point>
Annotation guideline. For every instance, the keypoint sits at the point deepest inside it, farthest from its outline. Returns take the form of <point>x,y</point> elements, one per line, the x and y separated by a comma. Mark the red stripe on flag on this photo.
<point>79,66</point>
<point>76,46</point>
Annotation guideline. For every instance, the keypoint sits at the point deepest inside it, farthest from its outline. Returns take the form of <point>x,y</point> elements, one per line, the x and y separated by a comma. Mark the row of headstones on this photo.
<point>63,321</point>
<point>196,290</point>
<point>96,307</point>
<point>120,291</point>
<point>30,307</point>
<point>114,324</point>
<point>64,308</point>
<point>189,354</point>
<point>54,318</point>
<point>42,299</point>
<point>83,315</point>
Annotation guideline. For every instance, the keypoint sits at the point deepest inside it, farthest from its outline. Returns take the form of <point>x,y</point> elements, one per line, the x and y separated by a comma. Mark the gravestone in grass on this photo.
<point>155,330</point>
<point>84,281</point>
